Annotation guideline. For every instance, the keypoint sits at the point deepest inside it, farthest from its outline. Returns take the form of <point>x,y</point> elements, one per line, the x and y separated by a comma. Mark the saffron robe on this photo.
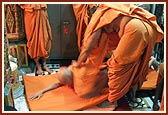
<point>128,65</point>
<point>82,18</point>
<point>37,29</point>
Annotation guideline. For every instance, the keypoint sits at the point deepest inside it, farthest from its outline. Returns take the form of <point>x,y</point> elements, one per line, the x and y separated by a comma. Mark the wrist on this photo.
<point>41,92</point>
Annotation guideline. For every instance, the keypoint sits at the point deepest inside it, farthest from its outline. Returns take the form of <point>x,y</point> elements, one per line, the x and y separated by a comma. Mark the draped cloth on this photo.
<point>37,29</point>
<point>82,18</point>
<point>88,80</point>
<point>128,65</point>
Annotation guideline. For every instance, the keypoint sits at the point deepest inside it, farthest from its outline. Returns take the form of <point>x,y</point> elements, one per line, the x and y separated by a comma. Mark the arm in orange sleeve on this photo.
<point>87,48</point>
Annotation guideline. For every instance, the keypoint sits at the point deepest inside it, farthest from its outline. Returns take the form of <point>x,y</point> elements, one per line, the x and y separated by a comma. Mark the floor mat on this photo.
<point>60,99</point>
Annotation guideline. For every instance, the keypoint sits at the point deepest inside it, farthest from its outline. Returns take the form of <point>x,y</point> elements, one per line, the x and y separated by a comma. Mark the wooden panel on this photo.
<point>54,19</point>
<point>8,97</point>
<point>69,40</point>
<point>19,51</point>
<point>14,22</point>
<point>64,45</point>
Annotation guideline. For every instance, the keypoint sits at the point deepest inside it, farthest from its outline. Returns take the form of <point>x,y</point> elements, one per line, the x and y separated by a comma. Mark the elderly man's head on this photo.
<point>65,76</point>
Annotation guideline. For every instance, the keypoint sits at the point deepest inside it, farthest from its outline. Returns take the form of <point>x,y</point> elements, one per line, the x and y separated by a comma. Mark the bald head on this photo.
<point>65,76</point>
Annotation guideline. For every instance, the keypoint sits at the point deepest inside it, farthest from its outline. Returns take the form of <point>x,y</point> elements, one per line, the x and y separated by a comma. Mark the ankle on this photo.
<point>45,68</point>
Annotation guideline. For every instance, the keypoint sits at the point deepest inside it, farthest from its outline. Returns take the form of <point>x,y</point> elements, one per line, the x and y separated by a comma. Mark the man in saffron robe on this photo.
<point>138,32</point>
<point>38,34</point>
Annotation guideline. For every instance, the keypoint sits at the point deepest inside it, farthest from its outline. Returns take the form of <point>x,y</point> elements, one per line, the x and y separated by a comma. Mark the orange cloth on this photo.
<point>151,81</point>
<point>37,29</point>
<point>106,13</point>
<point>88,80</point>
<point>61,99</point>
<point>129,63</point>
<point>161,71</point>
<point>80,11</point>
<point>82,18</point>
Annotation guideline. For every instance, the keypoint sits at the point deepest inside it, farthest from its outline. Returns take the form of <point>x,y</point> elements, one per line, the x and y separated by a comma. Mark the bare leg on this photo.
<point>132,93</point>
<point>38,67</point>
<point>45,67</point>
<point>159,89</point>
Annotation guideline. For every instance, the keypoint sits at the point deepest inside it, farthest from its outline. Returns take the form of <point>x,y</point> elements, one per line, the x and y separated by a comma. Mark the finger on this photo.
<point>39,97</point>
<point>31,96</point>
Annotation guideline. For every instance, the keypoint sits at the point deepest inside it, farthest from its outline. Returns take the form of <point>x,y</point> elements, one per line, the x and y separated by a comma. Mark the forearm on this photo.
<point>83,56</point>
<point>91,43</point>
<point>51,87</point>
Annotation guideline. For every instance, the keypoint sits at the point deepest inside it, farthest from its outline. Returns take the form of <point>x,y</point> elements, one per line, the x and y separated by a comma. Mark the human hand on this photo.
<point>153,64</point>
<point>36,95</point>
<point>75,63</point>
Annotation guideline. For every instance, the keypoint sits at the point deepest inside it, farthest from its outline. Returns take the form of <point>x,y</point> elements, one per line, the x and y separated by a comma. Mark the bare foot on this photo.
<point>38,71</point>
<point>47,69</point>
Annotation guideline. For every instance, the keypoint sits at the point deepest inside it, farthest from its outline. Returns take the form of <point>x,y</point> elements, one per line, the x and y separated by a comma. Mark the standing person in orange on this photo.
<point>38,34</point>
<point>83,14</point>
<point>138,32</point>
